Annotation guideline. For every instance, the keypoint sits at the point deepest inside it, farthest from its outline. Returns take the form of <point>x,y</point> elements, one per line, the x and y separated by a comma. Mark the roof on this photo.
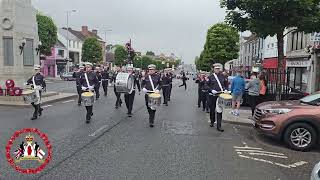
<point>84,37</point>
<point>64,33</point>
<point>59,44</point>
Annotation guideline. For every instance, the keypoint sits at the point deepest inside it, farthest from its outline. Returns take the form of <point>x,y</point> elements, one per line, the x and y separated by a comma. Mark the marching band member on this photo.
<point>97,87</point>
<point>88,82</point>
<point>129,97</point>
<point>77,74</point>
<point>216,85</point>
<point>105,79</point>
<point>118,95</point>
<point>37,84</point>
<point>166,79</point>
<point>151,83</point>
<point>170,89</point>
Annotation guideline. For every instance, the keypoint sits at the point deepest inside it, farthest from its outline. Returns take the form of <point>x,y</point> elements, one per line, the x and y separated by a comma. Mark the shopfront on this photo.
<point>299,73</point>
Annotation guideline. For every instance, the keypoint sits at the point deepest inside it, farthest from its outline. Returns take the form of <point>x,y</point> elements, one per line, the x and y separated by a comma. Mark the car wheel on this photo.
<point>300,136</point>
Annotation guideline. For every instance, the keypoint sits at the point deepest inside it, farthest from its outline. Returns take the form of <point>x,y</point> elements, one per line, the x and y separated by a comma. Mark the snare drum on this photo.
<point>225,101</point>
<point>124,83</point>
<point>87,98</point>
<point>29,96</point>
<point>154,100</point>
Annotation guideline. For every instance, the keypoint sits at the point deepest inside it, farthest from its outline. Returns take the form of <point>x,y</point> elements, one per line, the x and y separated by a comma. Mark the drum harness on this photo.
<point>219,109</point>
<point>152,85</point>
<point>86,77</point>
<point>37,90</point>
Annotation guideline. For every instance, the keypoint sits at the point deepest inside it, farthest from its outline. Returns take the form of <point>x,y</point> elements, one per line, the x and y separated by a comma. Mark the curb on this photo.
<point>238,123</point>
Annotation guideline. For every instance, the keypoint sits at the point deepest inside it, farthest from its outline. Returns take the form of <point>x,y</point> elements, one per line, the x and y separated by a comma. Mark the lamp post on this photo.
<point>68,44</point>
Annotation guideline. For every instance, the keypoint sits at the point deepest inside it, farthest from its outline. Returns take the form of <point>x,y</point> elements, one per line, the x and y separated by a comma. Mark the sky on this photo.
<point>161,26</point>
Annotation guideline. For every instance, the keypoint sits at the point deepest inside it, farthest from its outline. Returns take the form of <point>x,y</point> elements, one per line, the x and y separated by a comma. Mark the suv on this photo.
<point>297,123</point>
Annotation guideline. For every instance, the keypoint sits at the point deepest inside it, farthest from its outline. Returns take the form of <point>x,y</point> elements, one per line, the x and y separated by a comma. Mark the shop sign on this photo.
<point>298,63</point>
<point>315,37</point>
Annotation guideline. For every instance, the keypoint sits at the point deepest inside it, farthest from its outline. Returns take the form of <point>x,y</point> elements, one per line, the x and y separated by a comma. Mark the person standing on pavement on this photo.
<point>151,83</point>
<point>99,77</point>
<point>237,90</point>
<point>77,74</point>
<point>118,95</point>
<point>263,88</point>
<point>129,97</point>
<point>38,84</point>
<point>170,87</point>
<point>216,86</point>
<point>88,81</point>
<point>166,79</point>
<point>200,81</point>
<point>253,92</point>
<point>105,79</point>
<point>184,79</point>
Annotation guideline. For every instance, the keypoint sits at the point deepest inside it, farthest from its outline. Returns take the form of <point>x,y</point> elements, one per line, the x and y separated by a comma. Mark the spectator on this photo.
<point>237,90</point>
<point>253,91</point>
<point>263,88</point>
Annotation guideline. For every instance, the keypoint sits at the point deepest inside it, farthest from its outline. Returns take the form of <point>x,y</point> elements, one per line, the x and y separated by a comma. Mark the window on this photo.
<point>292,41</point>
<point>302,46</point>
<point>268,46</point>
<point>272,45</point>
<point>8,51</point>
<point>61,53</point>
<point>69,43</point>
<point>28,54</point>
<point>74,44</point>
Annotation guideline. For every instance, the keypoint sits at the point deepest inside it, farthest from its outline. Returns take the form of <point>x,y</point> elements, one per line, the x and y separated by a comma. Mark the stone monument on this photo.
<point>19,41</point>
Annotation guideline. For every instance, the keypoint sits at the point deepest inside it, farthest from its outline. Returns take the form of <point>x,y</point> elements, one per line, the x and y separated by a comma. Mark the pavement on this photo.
<point>181,146</point>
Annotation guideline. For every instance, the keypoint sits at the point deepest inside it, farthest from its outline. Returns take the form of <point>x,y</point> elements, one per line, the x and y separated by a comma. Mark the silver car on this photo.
<point>315,175</point>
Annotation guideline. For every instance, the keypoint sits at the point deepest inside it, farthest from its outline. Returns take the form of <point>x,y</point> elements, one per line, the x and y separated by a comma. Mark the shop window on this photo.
<point>8,51</point>
<point>28,53</point>
<point>61,53</point>
<point>298,78</point>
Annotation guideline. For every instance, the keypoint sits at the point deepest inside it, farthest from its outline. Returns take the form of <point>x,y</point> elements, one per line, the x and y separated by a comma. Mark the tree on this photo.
<point>120,55</point>
<point>222,45</point>
<point>150,53</point>
<point>270,17</point>
<point>91,51</point>
<point>47,31</point>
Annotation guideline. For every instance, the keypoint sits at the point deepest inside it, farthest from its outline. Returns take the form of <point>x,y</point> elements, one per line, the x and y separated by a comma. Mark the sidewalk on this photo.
<point>239,120</point>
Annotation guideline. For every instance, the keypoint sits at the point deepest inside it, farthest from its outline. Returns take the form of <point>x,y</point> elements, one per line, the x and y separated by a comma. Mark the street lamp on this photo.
<point>68,12</point>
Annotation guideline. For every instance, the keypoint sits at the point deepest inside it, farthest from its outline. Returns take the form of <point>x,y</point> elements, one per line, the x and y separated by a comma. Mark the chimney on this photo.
<point>94,31</point>
<point>84,30</point>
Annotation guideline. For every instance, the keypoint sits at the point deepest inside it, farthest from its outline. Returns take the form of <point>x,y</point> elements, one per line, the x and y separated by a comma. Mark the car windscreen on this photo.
<point>311,98</point>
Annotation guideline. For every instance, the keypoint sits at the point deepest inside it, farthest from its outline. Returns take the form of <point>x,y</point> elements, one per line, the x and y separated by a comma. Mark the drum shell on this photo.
<point>87,100</point>
<point>225,103</point>
<point>154,101</point>
<point>30,98</point>
<point>124,83</point>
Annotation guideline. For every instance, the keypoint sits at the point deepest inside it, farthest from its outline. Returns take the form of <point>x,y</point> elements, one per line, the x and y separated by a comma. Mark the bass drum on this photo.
<point>124,83</point>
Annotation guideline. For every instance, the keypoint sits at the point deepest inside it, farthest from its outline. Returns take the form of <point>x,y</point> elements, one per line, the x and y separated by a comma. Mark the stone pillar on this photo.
<point>18,21</point>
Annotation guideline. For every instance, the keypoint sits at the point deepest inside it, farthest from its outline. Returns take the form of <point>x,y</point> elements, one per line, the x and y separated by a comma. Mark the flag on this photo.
<point>40,154</point>
<point>18,153</point>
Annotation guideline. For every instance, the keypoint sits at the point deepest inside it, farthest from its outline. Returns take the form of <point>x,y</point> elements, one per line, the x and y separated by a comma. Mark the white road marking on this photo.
<point>294,165</point>
<point>257,151</point>
<point>46,106</point>
<point>67,101</point>
<point>97,131</point>
<point>247,147</point>
<point>271,155</point>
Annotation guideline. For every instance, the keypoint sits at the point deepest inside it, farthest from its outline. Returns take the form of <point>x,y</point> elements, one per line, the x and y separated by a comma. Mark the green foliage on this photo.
<point>150,53</point>
<point>222,45</point>
<point>91,51</point>
<point>47,31</point>
<point>120,55</point>
<point>147,60</point>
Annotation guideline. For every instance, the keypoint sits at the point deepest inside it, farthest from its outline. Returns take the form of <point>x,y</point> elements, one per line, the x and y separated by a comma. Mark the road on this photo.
<point>181,146</point>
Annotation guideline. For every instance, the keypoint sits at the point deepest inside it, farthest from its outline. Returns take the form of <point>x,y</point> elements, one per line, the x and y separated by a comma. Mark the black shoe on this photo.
<point>116,107</point>
<point>91,114</point>
<point>221,130</point>
<point>34,118</point>
<point>208,111</point>
<point>211,125</point>
<point>129,114</point>
<point>168,99</point>
<point>87,121</point>
<point>79,103</point>
<point>167,105</point>
<point>151,125</point>
<point>40,111</point>
<point>97,98</point>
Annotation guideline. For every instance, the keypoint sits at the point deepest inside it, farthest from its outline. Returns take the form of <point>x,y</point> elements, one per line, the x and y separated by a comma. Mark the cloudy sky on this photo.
<point>168,26</point>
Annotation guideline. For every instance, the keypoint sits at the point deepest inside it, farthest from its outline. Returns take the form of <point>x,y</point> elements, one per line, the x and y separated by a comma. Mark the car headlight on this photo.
<point>276,111</point>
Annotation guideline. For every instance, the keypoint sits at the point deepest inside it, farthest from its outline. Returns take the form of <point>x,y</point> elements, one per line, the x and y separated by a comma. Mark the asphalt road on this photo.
<point>181,146</point>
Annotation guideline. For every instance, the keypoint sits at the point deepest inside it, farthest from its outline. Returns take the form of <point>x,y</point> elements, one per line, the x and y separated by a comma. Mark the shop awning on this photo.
<point>272,63</point>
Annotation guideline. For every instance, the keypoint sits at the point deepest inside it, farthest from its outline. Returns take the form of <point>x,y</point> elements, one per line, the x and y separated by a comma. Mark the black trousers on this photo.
<point>213,113</point>
<point>184,84</point>
<point>204,99</point>
<point>166,91</point>
<point>151,112</point>
<point>170,90</point>
<point>89,112</point>
<point>199,97</point>
<point>105,87</point>
<point>79,91</point>
<point>97,90</point>
<point>118,95</point>
<point>129,98</point>
<point>253,101</point>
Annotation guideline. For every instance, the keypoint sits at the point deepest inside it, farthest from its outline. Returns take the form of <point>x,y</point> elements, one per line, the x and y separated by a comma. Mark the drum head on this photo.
<point>225,96</point>
<point>155,95</point>
<point>87,94</point>
<point>26,92</point>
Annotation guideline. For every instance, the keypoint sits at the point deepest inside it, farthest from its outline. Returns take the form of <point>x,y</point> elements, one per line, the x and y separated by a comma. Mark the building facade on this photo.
<point>270,55</point>
<point>19,41</point>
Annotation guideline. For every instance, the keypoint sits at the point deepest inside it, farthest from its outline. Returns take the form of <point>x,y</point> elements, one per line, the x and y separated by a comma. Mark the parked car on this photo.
<point>67,76</point>
<point>315,175</point>
<point>297,123</point>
